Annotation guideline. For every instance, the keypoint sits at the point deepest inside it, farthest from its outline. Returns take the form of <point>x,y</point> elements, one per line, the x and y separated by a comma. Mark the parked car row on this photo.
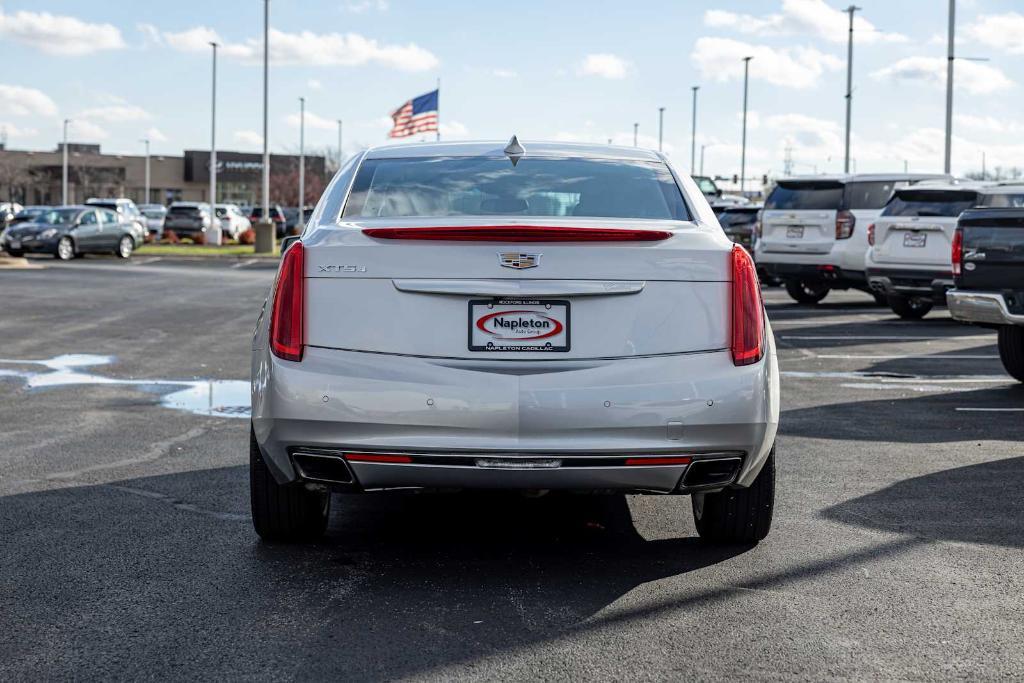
<point>71,231</point>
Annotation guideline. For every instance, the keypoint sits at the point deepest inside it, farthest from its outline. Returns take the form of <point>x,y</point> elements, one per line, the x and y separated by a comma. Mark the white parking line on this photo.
<point>881,378</point>
<point>991,410</point>
<point>865,356</point>
<point>878,337</point>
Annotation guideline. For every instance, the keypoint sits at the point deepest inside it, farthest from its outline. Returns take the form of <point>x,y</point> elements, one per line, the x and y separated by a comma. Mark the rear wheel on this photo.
<point>288,513</point>
<point>738,515</point>
<point>909,307</point>
<point>881,298</point>
<point>807,291</point>
<point>1011,350</point>
<point>125,247</point>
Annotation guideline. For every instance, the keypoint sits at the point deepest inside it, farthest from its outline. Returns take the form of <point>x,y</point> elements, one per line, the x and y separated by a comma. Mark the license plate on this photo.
<point>519,325</point>
<point>15,244</point>
<point>914,239</point>
<point>795,232</point>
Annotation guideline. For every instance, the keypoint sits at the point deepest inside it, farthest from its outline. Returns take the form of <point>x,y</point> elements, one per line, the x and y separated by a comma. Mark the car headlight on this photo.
<point>48,233</point>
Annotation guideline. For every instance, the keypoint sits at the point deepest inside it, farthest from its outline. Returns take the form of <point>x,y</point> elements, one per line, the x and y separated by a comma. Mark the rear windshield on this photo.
<point>868,195</point>
<point>154,213</point>
<point>475,186</point>
<point>733,219</point>
<point>810,196</point>
<point>706,185</point>
<point>945,204</point>
<point>1003,201</point>
<point>184,211</point>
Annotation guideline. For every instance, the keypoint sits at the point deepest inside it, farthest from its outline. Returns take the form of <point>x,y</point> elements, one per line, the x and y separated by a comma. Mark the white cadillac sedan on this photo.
<point>529,317</point>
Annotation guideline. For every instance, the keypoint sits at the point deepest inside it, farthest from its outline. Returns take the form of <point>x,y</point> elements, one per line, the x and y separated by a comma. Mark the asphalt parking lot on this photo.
<point>127,551</point>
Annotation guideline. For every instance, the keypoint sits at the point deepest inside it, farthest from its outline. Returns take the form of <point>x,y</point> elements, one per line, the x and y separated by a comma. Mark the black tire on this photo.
<point>881,298</point>
<point>807,291</point>
<point>288,513</point>
<point>1011,350</point>
<point>738,515</point>
<point>909,307</point>
<point>16,254</point>
<point>125,247</point>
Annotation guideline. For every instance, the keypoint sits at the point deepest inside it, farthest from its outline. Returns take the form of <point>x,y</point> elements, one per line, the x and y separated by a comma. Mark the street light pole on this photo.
<point>636,127</point>
<point>949,86</point>
<point>266,150</point>
<point>339,145</point>
<point>145,199</point>
<point>64,167</point>
<point>693,132</point>
<point>743,152</point>
<point>702,148</point>
<point>661,125</point>
<point>849,87</point>
<point>215,232</point>
<point>302,163</point>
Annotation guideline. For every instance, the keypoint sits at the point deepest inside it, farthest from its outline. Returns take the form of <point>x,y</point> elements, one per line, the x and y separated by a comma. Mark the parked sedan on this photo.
<point>188,219</point>
<point>277,215</point>
<point>457,320</point>
<point>154,214</point>
<point>70,231</point>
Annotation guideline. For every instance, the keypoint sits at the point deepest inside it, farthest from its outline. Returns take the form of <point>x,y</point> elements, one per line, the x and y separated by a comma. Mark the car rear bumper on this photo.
<point>506,424</point>
<point>981,307</point>
<point>834,275</point>
<point>916,282</point>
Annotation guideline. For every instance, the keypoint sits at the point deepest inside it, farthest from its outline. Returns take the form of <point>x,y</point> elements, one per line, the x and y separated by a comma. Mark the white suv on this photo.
<point>910,243</point>
<point>813,234</point>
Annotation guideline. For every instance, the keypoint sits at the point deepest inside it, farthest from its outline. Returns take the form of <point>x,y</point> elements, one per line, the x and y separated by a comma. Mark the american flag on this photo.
<point>418,115</point>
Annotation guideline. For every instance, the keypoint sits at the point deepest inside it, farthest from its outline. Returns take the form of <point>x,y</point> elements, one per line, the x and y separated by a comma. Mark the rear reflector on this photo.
<point>682,460</point>
<point>377,457</point>
<point>286,315</point>
<point>747,310</point>
<point>518,233</point>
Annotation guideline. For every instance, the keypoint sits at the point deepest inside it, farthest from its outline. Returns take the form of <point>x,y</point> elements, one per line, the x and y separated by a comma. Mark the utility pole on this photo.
<point>661,125</point>
<point>64,167</point>
<point>984,175</point>
<point>215,231</point>
<point>438,109</point>
<point>301,223</point>
<point>340,158</point>
<point>636,127</point>
<point>743,152</point>
<point>693,133</point>
<point>950,56</point>
<point>702,148</point>
<point>787,162</point>
<point>849,87</point>
<point>146,196</point>
<point>266,149</point>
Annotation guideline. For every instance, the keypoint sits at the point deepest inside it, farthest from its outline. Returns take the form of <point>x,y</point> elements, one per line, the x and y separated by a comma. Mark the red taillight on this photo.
<point>958,250</point>
<point>377,457</point>
<point>672,460</point>
<point>845,222</point>
<point>871,234</point>
<point>747,310</point>
<point>286,315</point>
<point>518,233</point>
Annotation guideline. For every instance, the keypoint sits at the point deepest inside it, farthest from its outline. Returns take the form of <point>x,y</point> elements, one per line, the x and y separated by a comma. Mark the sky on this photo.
<point>575,70</point>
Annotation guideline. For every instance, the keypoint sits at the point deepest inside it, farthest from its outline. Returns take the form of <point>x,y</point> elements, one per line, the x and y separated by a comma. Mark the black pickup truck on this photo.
<point>988,275</point>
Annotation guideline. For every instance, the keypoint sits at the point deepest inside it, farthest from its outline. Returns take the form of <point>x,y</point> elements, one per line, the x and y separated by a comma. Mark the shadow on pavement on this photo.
<point>972,504</point>
<point>929,417</point>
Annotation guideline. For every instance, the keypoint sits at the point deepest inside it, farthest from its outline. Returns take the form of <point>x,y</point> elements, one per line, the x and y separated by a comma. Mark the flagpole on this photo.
<point>438,109</point>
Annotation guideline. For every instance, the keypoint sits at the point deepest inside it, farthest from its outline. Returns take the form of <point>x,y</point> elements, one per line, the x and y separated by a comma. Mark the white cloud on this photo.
<point>16,100</point>
<point>363,6</point>
<point>150,33</point>
<point>999,31</point>
<point>309,49</point>
<point>155,135</point>
<point>86,131</point>
<point>15,131</point>
<point>454,130</point>
<point>312,121</point>
<point>504,73</point>
<point>803,17</point>
<point>720,59</point>
<point>249,138</point>
<point>116,113</point>
<point>58,34</point>
<point>604,65</point>
<point>314,84</point>
<point>987,124</point>
<point>974,78</point>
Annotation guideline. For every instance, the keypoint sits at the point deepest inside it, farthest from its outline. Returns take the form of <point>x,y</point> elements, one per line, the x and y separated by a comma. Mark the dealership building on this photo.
<point>31,177</point>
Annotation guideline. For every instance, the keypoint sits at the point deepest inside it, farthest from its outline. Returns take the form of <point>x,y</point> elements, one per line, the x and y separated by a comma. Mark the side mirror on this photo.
<point>288,241</point>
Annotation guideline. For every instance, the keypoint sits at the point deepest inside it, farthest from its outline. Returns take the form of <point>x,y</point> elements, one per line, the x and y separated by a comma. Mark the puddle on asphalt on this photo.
<point>217,398</point>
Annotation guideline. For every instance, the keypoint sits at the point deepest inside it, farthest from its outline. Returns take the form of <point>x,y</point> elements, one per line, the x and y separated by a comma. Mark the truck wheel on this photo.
<point>806,291</point>
<point>287,513</point>
<point>880,298</point>
<point>909,307</point>
<point>1011,350</point>
<point>738,515</point>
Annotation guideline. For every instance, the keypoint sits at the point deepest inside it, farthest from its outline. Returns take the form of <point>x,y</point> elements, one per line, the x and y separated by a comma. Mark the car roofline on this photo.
<point>495,148</point>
